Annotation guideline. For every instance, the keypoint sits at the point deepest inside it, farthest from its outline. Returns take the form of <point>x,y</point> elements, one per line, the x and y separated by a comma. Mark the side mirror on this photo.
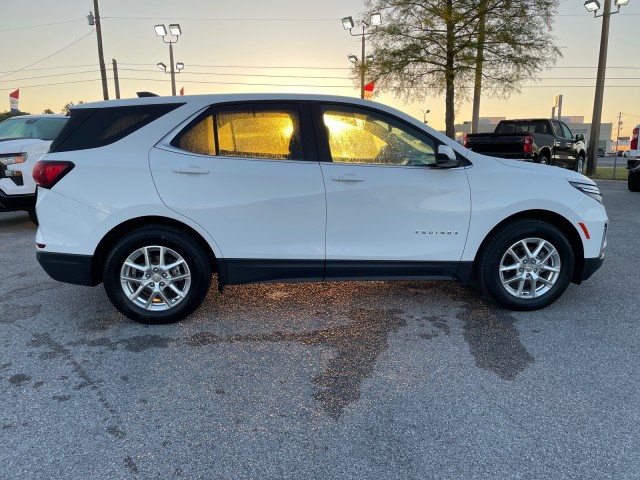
<point>579,137</point>
<point>446,157</point>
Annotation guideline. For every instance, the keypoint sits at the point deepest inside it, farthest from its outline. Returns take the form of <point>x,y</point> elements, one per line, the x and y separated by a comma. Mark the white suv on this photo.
<point>152,195</point>
<point>23,140</point>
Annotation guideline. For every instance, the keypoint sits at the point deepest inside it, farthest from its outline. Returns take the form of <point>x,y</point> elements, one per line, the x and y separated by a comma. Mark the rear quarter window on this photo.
<point>97,127</point>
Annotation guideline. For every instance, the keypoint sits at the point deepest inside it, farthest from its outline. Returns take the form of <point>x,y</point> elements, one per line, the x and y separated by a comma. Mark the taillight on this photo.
<point>634,139</point>
<point>47,173</point>
<point>465,142</point>
<point>528,143</point>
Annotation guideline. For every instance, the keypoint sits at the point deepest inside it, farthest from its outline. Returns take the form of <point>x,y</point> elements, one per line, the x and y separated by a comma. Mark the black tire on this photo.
<point>530,272</point>
<point>544,160</point>
<point>153,250</point>
<point>33,216</point>
<point>633,182</point>
<point>580,164</point>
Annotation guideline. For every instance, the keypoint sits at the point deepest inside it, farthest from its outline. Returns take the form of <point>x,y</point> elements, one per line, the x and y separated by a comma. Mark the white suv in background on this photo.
<point>23,140</point>
<point>152,195</point>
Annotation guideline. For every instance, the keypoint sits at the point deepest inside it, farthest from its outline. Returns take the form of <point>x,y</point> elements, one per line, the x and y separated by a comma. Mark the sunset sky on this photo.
<point>50,54</point>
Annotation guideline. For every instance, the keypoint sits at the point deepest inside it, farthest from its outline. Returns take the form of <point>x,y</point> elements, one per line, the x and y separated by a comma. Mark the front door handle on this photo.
<point>348,177</point>
<point>191,170</point>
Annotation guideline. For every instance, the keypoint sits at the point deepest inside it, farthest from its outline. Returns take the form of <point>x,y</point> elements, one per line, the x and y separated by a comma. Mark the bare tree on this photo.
<point>431,47</point>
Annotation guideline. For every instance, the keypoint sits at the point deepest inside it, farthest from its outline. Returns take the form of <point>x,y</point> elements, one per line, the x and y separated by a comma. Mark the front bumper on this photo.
<point>591,265</point>
<point>67,267</point>
<point>10,203</point>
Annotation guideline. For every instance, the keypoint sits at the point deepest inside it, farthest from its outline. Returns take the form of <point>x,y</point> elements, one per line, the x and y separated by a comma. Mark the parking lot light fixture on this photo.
<point>347,22</point>
<point>162,66</point>
<point>179,66</point>
<point>592,149</point>
<point>174,32</point>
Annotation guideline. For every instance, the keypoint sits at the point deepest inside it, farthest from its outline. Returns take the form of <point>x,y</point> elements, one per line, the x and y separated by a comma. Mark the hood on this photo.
<point>546,169</point>
<point>20,144</point>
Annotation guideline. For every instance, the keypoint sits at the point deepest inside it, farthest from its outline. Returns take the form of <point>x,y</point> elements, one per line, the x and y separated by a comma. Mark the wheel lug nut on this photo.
<point>164,275</point>
<point>155,269</point>
<point>535,270</point>
<point>148,276</point>
<point>522,269</point>
<point>153,284</point>
<point>162,284</point>
<point>528,275</point>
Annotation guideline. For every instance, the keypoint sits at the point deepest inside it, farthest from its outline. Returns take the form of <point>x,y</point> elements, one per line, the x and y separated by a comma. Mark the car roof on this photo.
<point>39,115</point>
<point>225,97</point>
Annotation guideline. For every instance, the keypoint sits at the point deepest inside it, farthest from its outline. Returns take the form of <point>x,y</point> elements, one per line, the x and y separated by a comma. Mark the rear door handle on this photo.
<point>191,170</point>
<point>348,177</point>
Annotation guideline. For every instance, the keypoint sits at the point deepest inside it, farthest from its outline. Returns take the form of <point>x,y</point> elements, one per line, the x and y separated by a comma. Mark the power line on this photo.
<point>40,25</point>
<point>48,56</point>
<point>48,76</point>
<point>244,74</point>
<point>229,19</point>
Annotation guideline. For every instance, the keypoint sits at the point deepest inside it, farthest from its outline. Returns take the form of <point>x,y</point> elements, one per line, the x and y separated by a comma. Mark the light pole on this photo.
<point>594,6</point>
<point>174,31</point>
<point>424,116</point>
<point>347,22</point>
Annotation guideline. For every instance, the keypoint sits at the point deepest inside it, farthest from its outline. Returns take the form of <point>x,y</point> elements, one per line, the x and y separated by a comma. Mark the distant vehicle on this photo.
<point>633,162</point>
<point>23,140</point>
<point>549,142</point>
<point>152,195</point>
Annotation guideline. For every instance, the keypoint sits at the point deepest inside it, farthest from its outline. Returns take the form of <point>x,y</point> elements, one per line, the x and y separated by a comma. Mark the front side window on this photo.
<point>557,129</point>
<point>366,137</point>
<point>566,133</point>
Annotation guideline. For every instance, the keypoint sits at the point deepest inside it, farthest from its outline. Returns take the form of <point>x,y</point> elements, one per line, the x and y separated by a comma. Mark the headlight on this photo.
<point>588,189</point>
<point>13,158</point>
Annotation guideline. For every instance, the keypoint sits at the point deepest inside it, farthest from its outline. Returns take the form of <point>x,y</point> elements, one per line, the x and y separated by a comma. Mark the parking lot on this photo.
<point>389,380</point>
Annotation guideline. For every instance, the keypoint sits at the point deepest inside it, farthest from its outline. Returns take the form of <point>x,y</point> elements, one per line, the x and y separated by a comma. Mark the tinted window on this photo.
<point>247,132</point>
<point>522,127</point>
<point>566,133</point>
<point>363,136</point>
<point>557,129</point>
<point>97,127</point>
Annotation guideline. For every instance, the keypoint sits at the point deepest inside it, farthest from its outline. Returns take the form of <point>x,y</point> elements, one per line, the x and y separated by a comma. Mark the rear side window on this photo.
<point>247,132</point>
<point>97,127</point>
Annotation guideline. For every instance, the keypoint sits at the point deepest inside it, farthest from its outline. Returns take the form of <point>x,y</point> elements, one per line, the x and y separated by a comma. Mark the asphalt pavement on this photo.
<point>380,380</point>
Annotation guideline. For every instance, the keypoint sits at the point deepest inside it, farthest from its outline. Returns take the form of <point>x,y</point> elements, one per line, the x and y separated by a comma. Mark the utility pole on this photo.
<point>103,70</point>
<point>615,160</point>
<point>115,77</point>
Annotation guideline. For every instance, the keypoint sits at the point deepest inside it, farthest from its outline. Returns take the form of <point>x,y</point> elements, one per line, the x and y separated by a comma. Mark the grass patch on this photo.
<point>606,173</point>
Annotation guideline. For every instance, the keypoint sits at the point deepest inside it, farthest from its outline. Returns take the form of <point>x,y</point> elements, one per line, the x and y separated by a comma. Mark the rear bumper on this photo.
<point>67,268</point>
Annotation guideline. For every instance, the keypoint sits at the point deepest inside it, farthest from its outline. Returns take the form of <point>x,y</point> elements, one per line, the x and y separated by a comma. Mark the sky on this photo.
<point>50,53</point>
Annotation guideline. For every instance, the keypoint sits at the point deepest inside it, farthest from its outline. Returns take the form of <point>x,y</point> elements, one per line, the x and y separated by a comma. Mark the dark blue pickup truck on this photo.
<point>536,140</point>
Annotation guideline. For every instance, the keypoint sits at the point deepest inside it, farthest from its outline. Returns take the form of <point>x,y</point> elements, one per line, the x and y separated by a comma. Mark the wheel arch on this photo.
<point>110,239</point>
<point>545,152</point>
<point>551,218</point>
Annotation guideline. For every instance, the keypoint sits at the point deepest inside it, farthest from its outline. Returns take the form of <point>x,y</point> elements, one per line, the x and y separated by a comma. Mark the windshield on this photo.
<point>29,127</point>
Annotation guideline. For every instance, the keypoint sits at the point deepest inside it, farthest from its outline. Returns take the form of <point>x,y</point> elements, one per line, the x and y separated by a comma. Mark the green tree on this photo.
<point>67,108</point>
<point>435,47</point>
<point>5,115</point>
<point>47,110</point>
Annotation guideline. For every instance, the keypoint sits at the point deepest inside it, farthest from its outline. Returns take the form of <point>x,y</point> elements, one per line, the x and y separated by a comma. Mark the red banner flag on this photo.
<point>14,98</point>
<point>182,91</point>
<point>368,90</point>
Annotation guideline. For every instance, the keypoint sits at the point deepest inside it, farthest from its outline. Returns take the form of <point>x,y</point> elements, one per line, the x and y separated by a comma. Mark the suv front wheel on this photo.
<point>526,265</point>
<point>157,275</point>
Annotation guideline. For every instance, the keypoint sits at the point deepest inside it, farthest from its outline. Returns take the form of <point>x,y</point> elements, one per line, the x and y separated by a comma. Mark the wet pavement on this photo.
<point>393,380</point>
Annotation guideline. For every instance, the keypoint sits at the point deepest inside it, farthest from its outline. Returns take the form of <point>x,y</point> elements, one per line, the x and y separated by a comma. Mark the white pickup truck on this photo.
<point>23,140</point>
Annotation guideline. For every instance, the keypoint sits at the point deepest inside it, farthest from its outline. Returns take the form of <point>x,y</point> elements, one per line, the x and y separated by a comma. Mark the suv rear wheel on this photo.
<point>157,275</point>
<point>527,265</point>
